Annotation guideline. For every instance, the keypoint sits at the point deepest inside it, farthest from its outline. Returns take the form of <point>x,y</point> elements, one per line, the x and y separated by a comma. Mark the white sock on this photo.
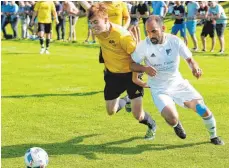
<point>127,99</point>
<point>176,124</point>
<point>210,124</point>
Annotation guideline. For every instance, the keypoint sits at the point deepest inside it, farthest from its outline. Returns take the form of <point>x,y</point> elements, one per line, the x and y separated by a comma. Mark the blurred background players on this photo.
<point>209,25</point>
<point>60,27</point>
<point>179,24</point>
<point>192,9</point>
<point>216,12</point>
<point>43,11</point>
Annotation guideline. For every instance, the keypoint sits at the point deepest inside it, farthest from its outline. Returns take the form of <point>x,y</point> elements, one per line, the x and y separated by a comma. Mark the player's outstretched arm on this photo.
<point>196,71</point>
<point>138,81</point>
<point>151,71</point>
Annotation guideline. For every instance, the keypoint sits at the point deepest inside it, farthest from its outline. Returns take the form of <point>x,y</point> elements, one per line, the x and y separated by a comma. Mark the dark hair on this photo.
<point>155,18</point>
<point>97,9</point>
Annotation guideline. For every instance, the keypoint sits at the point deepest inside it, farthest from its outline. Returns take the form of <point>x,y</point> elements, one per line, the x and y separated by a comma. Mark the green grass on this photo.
<point>56,102</point>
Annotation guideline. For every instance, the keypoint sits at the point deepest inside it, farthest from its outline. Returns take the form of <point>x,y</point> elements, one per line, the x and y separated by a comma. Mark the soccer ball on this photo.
<point>36,157</point>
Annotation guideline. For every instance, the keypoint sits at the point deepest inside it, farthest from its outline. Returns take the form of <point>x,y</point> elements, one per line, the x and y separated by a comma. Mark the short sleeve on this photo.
<point>139,54</point>
<point>184,50</point>
<point>128,44</point>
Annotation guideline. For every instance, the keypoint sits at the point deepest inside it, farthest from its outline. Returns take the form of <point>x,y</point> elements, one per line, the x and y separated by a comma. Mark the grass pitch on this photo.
<point>56,102</point>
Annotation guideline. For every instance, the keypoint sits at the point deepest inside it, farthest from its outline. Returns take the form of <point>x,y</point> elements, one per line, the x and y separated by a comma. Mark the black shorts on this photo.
<point>208,29</point>
<point>117,83</point>
<point>44,27</point>
<point>220,29</point>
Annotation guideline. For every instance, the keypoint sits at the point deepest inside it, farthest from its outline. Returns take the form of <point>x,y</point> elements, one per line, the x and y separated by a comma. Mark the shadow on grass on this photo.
<point>22,53</point>
<point>48,95</point>
<point>209,54</point>
<point>76,147</point>
<point>56,43</point>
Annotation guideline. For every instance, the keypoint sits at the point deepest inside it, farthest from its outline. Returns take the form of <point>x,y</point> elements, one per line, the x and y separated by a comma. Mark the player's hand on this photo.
<point>151,71</point>
<point>57,21</point>
<point>197,72</point>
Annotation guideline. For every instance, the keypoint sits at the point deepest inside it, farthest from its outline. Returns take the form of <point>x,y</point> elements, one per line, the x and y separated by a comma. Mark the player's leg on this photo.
<point>186,96</point>
<point>220,33</point>
<point>63,25</point>
<point>93,36</point>
<point>213,43</point>
<point>212,35</point>
<point>182,29</point>
<point>14,26</point>
<point>48,27</point>
<point>58,27</point>
<point>175,29</point>
<point>143,117</point>
<point>113,88</point>
<point>41,30</point>
<point>166,106</point>
<point>210,29</point>
<point>203,111</point>
<point>203,37</point>
<point>74,21</point>
<point>136,93</point>
<point>88,34</point>
<point>4,23</point>
<point>191,26</point>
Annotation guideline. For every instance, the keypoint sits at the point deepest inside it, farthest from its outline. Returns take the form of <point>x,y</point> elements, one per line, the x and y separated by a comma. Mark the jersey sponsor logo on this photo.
<point>177,12</point>
<point>168,51</point>
<point>153,55</point>
<point>112,42</point>
<point>202,12</point>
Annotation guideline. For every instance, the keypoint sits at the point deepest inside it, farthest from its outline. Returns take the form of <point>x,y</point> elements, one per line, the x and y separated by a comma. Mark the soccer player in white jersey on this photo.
<point>161,53</point>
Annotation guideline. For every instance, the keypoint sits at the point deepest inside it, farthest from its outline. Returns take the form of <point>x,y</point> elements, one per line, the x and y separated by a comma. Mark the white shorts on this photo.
<point>180,93</point>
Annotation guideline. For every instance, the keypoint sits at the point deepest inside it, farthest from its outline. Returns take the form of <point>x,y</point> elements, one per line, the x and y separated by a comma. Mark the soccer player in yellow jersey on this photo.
<point>117,13</point>
<point>117,44</point>
<point>43,11</point>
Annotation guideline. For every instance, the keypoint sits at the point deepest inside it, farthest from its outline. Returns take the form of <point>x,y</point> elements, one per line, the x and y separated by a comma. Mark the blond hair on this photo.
<point>98,9</point>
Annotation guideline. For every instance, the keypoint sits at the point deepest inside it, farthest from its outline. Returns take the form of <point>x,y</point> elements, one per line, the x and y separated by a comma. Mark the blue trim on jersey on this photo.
<point>201,109</point>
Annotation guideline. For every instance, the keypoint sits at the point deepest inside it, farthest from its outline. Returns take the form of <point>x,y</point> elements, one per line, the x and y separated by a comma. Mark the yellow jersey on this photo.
<point>116,12</point>
<point>44,10</point>
<point>116,49</point>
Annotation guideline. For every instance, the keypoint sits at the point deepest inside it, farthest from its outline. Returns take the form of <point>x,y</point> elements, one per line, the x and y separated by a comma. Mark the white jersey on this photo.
<point>165,58</point>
